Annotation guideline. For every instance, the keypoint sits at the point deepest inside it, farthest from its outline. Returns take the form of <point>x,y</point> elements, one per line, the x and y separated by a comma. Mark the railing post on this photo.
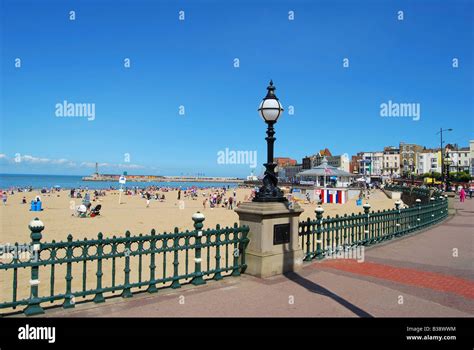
<point>441,206</point>
<point>244,242</point>
<point>328,236</point>
<point>34,307</point>
<point>127,293</point>
<point>218,275</point>
<point>418,213</point>
<point>198,219</point>
<point>236,254</point>
<point>308,255</point>
<point>99,297</point>
<point>152,286</point>
<point>352,224</point>
<point>366,207</point>
<point>319,219</point>
<point>69,297</point>
<point>398,203</point>
<point>176,284</point>
<point>446,205</point>
<point>433,209</point>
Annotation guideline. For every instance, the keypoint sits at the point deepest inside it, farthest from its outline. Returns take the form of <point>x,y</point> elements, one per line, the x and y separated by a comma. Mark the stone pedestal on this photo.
<point>451,198</point>
<point>274,246</point>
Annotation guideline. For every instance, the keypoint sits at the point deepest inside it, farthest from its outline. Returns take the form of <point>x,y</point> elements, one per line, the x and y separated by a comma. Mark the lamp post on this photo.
<point>440,132</point>
<point>447,163</point>
<point>270,109</point>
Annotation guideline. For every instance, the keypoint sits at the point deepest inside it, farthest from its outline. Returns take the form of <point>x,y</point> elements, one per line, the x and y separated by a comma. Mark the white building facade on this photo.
<point>428,161</point>
<point>391,162</point>
<point>460,160</point>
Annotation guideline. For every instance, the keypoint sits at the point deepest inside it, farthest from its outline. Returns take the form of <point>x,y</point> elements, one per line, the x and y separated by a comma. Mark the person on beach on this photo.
<point>87,198</point>
<point>179,194</point>
<point>4,198</point>
<point>148,196</point>
<point>23,201</point>
<point>231,201</point>
<point>462,195</point>
<point>204,202</point>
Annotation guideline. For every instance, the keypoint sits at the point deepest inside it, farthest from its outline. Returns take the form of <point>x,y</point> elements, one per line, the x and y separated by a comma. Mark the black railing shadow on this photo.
<point>315,288</point>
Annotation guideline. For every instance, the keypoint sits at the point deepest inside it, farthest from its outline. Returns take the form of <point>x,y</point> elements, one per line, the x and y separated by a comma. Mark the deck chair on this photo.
<point>96,210</point>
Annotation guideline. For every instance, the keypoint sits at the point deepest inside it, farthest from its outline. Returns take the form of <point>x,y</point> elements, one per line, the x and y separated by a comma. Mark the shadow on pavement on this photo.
<point>315,288</point>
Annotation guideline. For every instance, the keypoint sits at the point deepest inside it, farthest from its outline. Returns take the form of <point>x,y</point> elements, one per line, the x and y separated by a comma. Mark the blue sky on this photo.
<point>191,63</point>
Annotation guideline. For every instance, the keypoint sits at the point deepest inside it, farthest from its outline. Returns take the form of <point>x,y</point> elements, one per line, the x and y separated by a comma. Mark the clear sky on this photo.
<point>191,63</point>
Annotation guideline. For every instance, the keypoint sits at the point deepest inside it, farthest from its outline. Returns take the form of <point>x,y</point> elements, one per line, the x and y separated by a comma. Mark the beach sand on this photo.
<point>116,219</point>
<point>133,215</point>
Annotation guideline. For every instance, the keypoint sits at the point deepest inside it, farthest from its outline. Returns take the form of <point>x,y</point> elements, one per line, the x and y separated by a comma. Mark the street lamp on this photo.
<point>447,163</point>
<point>270,109</point>
<point>442,153</point>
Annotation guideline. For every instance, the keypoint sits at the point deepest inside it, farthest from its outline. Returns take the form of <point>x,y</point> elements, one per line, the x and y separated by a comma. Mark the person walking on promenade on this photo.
<point>462,195</point>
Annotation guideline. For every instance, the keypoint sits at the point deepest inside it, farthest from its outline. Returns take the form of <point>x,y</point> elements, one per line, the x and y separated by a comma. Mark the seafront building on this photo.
<point>428,161</point>
<point>371,164</point>
<point>284,161</point>
<point>354,165</point>
<point>391,162</point>
<point>460,158</point>
<point>408,152</point>
<point>471,156</point>
<point>288,173</point>
<point>341,162</point>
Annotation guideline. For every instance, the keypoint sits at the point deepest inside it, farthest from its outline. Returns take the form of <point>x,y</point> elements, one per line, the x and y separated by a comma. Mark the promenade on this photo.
<point>429,274</point>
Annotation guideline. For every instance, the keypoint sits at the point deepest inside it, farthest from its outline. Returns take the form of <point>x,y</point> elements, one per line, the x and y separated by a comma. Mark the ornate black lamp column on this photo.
<point>443,178</point>
<point>447,164</point>
<point>270,109</point>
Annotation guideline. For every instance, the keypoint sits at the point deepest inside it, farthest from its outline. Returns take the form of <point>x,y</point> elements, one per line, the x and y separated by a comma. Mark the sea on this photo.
<point>8,181</point>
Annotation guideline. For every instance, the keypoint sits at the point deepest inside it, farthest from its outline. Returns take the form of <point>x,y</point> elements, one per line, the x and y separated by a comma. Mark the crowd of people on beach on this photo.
<point>219,198</point>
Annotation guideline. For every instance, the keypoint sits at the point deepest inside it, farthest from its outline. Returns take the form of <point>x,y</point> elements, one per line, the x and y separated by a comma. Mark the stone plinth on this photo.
<point>450,195</point>
<point>264,256</point>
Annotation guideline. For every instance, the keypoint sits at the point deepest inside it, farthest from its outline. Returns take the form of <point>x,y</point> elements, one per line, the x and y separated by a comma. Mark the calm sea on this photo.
<point>65,181</point>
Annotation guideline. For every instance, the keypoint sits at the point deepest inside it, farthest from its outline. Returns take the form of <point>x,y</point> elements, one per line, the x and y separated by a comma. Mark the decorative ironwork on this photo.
<point>128,253</point>
<point>324,237</point>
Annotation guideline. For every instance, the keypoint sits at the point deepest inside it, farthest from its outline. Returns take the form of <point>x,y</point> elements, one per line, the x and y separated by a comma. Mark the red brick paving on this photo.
<point>417,278</point>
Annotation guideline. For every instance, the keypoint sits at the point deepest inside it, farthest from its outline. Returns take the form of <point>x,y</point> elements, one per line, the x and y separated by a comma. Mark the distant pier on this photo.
<point>154,178</point>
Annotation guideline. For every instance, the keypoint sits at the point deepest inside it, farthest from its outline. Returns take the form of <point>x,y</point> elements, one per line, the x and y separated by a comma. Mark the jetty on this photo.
<point>156,178</point>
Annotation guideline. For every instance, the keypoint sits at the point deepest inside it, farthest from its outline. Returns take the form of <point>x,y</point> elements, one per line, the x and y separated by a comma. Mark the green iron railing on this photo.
<point>166,258</point>
<point>324,237</point>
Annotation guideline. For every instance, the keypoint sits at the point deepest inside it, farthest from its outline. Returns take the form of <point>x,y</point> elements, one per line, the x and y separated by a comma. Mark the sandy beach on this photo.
<point>133,215</point>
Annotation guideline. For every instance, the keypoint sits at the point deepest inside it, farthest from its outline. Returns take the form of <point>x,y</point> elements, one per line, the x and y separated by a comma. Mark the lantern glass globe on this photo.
<point>270,110</point>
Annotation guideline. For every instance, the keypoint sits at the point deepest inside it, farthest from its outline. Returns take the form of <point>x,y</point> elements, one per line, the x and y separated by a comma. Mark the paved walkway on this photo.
<point>427,274</point>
